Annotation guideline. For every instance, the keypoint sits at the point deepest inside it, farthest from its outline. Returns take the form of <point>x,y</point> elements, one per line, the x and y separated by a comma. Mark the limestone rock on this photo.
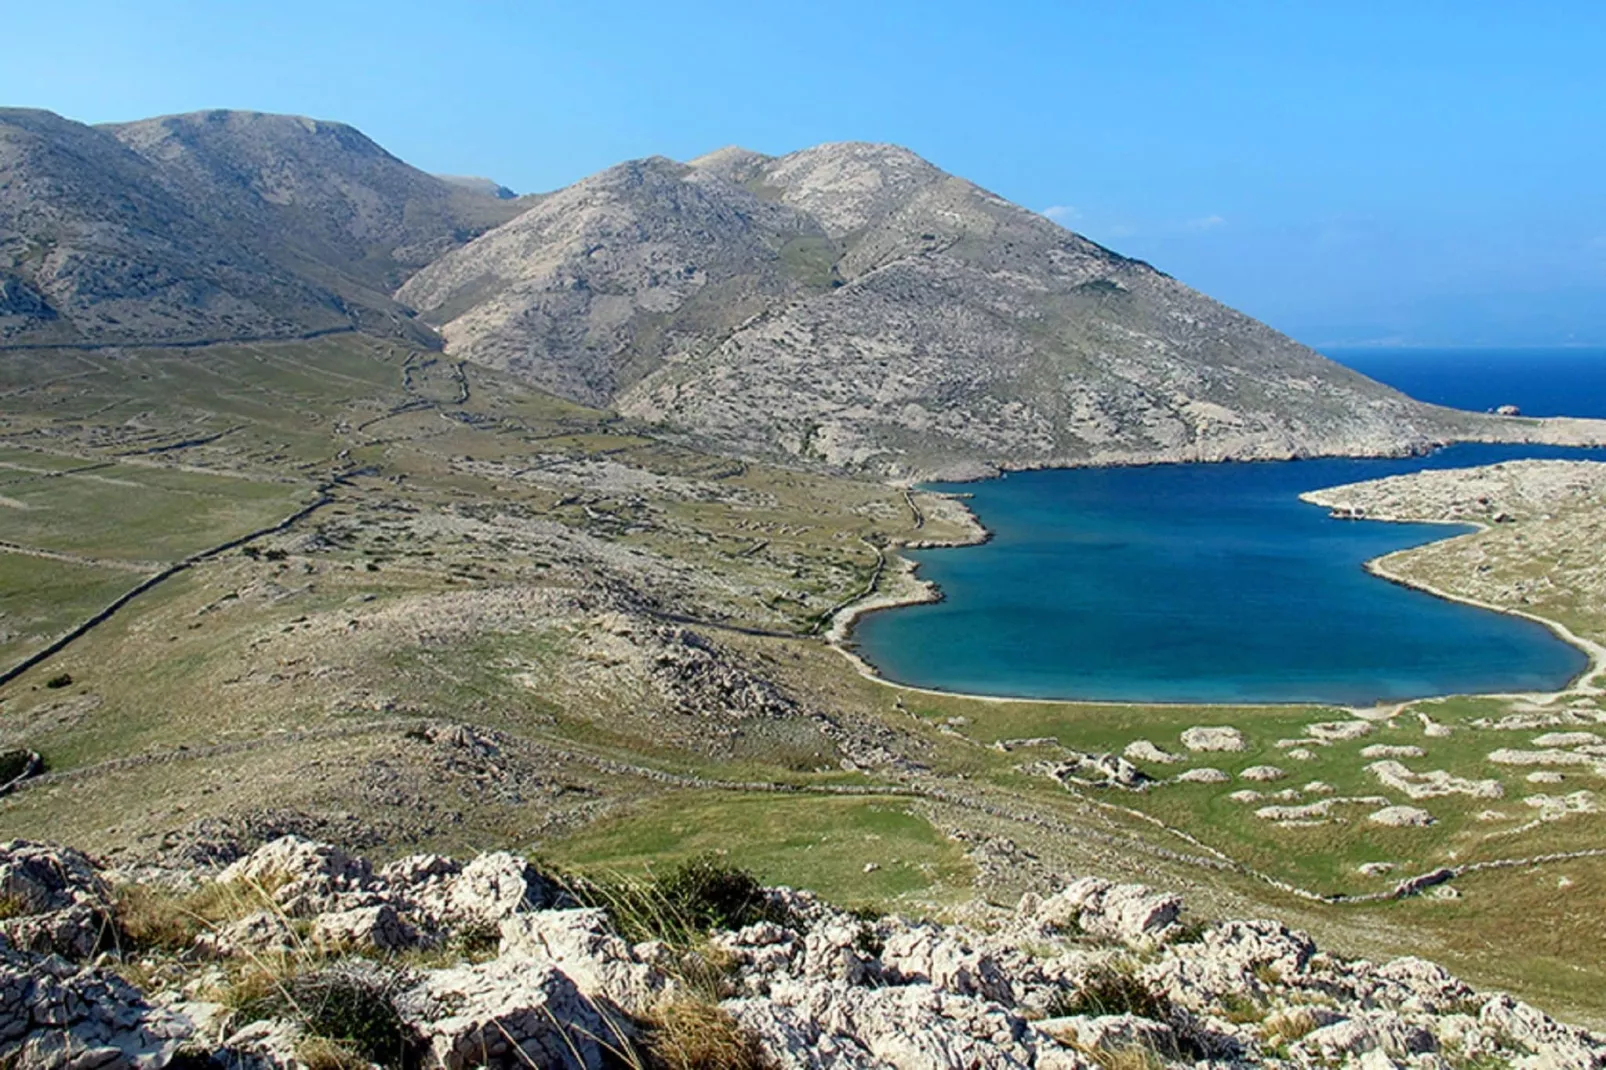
<point>305,877</point>
<point>1401,817</point>
<point>1213,738</point>
<point>55,1016</point>
<point>1130,913</point>
<point>583,944</point>
<point>1263,773</point>
<point>1142,750</point>
<point>924,954</point>
<point>508,1014</point>
<point>375,928</point>
<point>1113,1033</point>
<point>57,901</point>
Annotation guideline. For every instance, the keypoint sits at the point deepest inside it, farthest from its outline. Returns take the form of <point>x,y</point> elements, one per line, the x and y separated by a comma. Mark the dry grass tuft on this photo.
<point>692,1034</point>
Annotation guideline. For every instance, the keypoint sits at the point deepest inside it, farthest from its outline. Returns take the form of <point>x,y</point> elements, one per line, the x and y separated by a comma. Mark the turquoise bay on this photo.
<point>1201,583</point>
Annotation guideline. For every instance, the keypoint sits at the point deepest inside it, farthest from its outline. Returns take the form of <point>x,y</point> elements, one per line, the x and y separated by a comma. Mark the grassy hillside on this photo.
<point>517,621</point>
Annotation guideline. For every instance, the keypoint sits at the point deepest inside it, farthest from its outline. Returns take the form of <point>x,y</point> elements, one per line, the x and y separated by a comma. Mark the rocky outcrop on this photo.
<point>1094,971</point>
<point>852,305</point>
<point>57,1014</point>
<point>52,900</point>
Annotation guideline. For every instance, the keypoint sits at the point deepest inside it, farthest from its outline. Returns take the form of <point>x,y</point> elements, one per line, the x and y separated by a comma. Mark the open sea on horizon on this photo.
<point>1214,583</point>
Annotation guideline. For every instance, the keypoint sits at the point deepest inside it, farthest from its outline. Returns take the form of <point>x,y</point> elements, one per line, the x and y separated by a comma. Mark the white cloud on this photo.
<point>1209,222</point>
<point>1061,213</point>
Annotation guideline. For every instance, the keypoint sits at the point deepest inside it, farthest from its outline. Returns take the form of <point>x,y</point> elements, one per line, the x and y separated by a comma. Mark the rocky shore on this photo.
<point>298,954</point>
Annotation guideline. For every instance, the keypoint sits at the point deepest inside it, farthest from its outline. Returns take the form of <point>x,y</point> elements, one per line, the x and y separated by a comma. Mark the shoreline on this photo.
<point>1566,432</point>
<point>838,635</point>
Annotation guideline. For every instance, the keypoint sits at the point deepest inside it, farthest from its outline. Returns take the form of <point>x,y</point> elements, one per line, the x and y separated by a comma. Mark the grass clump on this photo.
<point>694,1034</point>
<point>1288,1025</point>
<point>347,1008</point>
<point>1110,990</point>
<point>681,906</point>
<point>157,919</point>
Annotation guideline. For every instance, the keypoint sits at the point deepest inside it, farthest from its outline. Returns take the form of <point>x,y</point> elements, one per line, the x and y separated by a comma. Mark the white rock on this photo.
<point>1142,750</point>
<point>1389,750</point>
<point>1111,1033</point>
<point>1401,817</point>
<point>1262,773</point>
<point>1338,731</point>
<point>582,943</point>
<point>1204,775</point>
<point>1213,738</point>
<point>506,1013</point>
<point>1566,739</point>
<point>377,928</point>
<point>1433,783</point>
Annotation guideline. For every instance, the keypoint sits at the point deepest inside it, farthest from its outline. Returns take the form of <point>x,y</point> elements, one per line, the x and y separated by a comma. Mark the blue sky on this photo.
<point>1414,172</point>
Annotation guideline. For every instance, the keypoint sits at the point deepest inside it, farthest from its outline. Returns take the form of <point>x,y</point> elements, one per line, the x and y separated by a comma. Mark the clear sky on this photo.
<point>1412,171</point>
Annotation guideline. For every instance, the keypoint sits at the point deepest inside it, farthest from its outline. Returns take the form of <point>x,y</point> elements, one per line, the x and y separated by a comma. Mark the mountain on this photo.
<point>854,305</point>
<point>214,225</point>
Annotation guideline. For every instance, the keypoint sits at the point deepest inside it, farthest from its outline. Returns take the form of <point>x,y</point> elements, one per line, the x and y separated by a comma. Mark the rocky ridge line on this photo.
<point>1089,973</point>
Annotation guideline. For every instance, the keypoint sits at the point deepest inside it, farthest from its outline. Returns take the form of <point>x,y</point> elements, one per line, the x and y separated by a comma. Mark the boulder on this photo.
<point>583,944</point>
<point>57,903</point>
<point>1401,817</point>
<point>1131,913</point>
<point>376,928</point>
<point>927,954</point>
<point>303,876</point>
<point>57,1016</point>
<point>1113,1033</point>
<point>1141,750</point>
<point>1213,738</point>
<point>493,887</point>
<point>507,1014</point>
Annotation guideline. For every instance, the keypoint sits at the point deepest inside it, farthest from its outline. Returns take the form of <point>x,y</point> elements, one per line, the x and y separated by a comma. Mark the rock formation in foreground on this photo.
<point>299,955</point>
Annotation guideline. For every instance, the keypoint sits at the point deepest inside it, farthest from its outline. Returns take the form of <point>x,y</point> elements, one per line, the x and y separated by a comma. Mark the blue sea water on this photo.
<point>1214,583</point>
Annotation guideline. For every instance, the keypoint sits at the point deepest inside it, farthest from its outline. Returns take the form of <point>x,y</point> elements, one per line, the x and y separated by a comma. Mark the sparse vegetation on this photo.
<point>682,905</point>
<point>347,1006</point>
<point>1111,990</point>
<point>691,1034</point>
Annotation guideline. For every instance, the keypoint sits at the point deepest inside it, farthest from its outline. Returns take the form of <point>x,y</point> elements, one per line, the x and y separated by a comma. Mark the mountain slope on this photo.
<point>875,312</point>
<point>216,225</point>
<point>94,247</point>
<point>320,189</point>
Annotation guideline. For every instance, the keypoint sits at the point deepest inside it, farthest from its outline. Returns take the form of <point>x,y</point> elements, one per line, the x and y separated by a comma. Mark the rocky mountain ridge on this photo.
<point>849,306</point>
<point>213,226</point>
<point>852,305</point>
<point>1092,974</point>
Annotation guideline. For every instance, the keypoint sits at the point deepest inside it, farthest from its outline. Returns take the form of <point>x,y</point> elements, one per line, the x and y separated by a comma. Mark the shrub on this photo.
<point>59,681</point>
